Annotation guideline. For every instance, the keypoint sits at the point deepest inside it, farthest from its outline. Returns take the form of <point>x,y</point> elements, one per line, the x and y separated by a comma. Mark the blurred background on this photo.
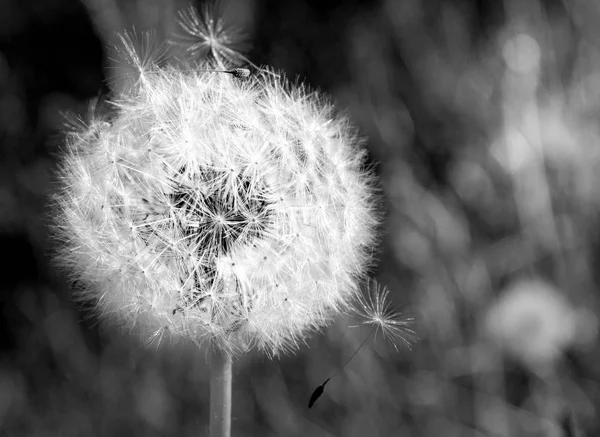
<point>482,118</point>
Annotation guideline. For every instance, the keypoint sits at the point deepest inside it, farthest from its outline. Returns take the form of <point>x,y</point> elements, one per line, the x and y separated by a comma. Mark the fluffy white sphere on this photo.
<point>215,208</point>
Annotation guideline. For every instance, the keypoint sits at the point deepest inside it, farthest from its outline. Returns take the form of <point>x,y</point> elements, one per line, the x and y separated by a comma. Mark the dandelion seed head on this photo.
<point>209,208</point>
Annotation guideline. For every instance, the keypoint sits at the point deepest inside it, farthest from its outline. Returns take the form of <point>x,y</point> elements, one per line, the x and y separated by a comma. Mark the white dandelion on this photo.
<point>230,209</point>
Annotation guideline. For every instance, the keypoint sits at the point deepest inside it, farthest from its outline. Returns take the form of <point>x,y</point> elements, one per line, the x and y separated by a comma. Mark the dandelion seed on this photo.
<point>206,36</point>
<point>375,309</point>
<point>317,394</point>
<point>142,51</point>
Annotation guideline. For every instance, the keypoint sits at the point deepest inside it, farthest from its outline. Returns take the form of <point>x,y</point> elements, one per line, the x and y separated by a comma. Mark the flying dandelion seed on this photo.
<point>207,37</point>
<point>374,308</point>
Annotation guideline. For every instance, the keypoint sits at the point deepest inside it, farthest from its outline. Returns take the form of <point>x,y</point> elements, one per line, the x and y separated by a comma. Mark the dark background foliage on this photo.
<point>482,117</point>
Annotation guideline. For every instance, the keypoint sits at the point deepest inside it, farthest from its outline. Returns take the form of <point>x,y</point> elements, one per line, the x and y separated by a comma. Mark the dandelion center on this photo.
<point>214,217</point>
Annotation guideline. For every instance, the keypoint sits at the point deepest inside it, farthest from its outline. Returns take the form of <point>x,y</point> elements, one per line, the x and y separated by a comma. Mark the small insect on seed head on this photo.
<point>240,72</point>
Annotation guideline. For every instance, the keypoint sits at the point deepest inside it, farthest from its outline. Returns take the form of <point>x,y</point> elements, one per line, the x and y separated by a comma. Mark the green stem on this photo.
<point>220,394</point>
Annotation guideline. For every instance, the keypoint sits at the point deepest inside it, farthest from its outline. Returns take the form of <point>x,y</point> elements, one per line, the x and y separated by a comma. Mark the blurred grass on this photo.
<point>483,117</point>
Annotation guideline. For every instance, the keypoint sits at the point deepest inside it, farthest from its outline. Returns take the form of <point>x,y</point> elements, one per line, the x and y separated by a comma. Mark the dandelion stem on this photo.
<point>220,394</point>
